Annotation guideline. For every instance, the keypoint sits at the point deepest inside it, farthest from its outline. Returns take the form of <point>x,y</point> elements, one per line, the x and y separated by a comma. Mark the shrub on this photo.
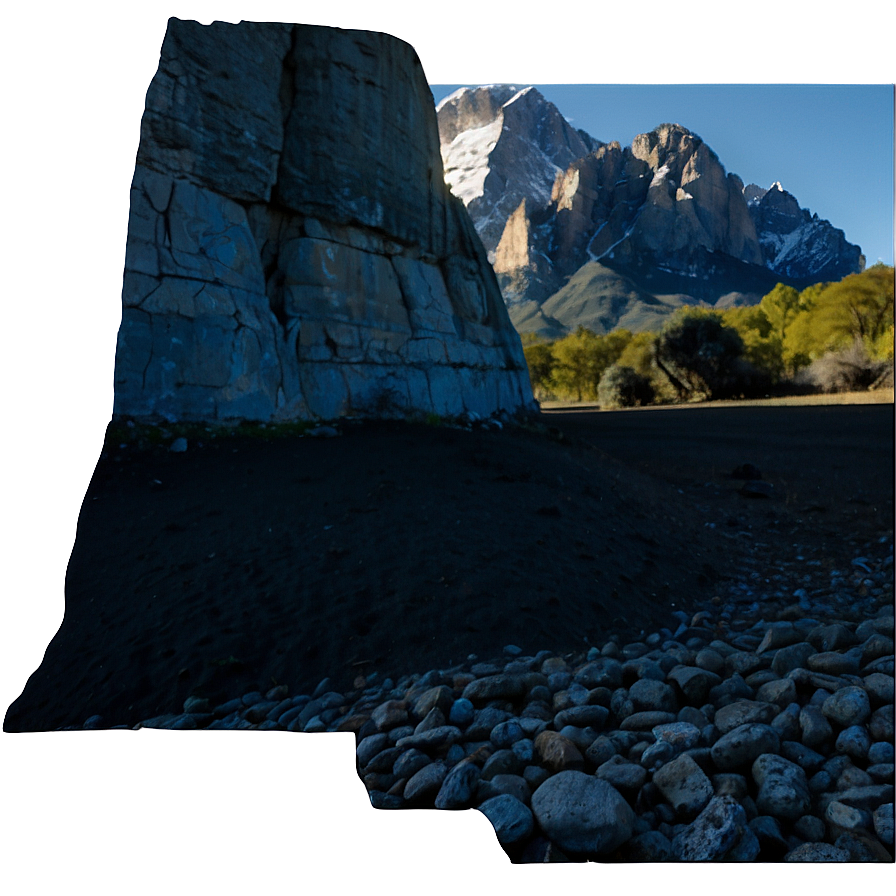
<point>624,387</point>
<point>849,370</point>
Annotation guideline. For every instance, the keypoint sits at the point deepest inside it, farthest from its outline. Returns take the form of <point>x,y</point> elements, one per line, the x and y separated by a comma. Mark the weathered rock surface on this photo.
<point>293,250</point>
<point>582,814</point>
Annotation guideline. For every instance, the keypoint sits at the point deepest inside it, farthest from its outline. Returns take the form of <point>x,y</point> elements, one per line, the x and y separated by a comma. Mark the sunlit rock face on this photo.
<point>293,251</point>
<point>582,232</point>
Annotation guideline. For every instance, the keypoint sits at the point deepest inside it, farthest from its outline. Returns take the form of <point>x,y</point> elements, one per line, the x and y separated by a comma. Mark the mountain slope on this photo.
<point>662,218</point>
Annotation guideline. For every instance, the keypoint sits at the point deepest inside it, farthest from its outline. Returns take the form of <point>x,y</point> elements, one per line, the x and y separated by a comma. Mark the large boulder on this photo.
<point>293,250</point>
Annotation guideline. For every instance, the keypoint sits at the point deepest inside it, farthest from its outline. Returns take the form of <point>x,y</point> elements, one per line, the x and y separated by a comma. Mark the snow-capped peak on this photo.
<point>492,88</point>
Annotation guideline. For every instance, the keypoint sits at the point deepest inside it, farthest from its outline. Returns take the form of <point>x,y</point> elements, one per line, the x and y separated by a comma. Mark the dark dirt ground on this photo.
<point>395,547</point>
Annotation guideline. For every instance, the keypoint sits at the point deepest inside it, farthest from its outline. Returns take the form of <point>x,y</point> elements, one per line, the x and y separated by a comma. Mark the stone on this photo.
<point>505,734</point>
<point>433,719</point>
<point>793,657</point>
<point>848,706</point>
<point>815,729</point>
<point>713,833</point>
<point>601,749</point>
<point>461,713</point>
<point>434,739</point>
<point>513,785</point>
<point>425,783</point>
<point>854,741</point>
<point>740,747</point>
<point>604,672</point>
<point>685,785</point>
<point>390,714</point>
<point>582,814</point>
<point>746,849</point>
<point>768,833</point>
<point>626,777</point>
<point>833,663</point>
<point>742,712</point>
<point>880,688</point>
<point>863,847</point>
<point>880,725</point>
<point>501,762</point>
<point>512,820</point>
<point>694,683</point>
<point>557,752</point>
<point>459,787</point>
<point>787,722</point>
<point>648,694</point>
<point>781,692</point>
<point>777,635</point>
<point>360,287</point>
<point>646,720</point>
<point>817,852</point>
<point>651,846</point>
<point>582,716</point>
<point>501,687</point>
<point>881,752</point>
<point>409,762</point>
<point>883,823</point>
<point>846,819</point>
<point>680,735</point>
<point>440,697</point>
<point>806,758</point>
<point>783,788</point>
<point>484,721</point>
<point>809,828</point>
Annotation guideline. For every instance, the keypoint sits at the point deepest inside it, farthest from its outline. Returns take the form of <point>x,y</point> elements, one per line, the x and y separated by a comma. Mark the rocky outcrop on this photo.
<point>488,132</point>
<point>621,236</point>
<point>293,250</point>
<point>797,244</point>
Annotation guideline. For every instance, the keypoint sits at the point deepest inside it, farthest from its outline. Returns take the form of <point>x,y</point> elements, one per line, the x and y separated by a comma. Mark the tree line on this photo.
<point>828,337</point>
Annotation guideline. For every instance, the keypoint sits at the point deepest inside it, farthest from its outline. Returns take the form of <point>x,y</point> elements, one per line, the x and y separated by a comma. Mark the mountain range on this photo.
<point>583,232</point>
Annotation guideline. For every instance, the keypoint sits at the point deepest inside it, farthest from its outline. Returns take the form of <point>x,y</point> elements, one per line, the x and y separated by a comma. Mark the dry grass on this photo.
<point>879,396</point>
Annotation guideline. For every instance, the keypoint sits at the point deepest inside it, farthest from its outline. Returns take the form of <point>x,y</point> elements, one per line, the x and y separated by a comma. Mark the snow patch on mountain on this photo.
<point>465,160</point>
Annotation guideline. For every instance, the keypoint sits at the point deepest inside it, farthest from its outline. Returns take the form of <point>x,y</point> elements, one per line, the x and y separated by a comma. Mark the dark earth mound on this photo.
<point>249,561</point>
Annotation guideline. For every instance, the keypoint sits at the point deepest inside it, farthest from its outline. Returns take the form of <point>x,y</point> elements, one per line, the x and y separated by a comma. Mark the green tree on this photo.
<point>701,357</point>
<point>763,346</point>
<point>855,310</point>
<point>780,307</point>
<point>540,361</point>
<point>581,359</point>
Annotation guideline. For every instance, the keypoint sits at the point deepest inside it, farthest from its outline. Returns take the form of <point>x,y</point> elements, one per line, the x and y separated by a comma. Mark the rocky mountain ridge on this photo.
<point>620,236</point>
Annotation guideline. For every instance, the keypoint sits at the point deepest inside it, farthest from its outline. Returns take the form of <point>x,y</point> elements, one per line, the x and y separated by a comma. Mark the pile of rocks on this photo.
<point>734,737</point>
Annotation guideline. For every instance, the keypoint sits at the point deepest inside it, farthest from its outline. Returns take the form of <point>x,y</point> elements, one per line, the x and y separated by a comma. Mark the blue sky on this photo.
<point>798,92</point>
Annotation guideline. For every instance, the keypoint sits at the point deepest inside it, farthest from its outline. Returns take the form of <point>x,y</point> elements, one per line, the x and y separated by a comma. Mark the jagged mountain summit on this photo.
<point>585,232</point>
<point>502,144</point>
<point>796,243</point>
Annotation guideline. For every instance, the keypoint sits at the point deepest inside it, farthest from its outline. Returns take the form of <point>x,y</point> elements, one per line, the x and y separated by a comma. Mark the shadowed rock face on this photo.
<point>293,251</point>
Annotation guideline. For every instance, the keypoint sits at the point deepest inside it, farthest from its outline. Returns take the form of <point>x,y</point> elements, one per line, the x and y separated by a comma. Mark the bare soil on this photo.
<point>397,547</point>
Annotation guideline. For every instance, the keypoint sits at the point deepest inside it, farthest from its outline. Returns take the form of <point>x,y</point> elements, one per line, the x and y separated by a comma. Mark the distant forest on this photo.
<point>829,337</point>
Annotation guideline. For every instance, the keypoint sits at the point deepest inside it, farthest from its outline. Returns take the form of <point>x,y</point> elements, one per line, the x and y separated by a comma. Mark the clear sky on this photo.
<point>798,92</point>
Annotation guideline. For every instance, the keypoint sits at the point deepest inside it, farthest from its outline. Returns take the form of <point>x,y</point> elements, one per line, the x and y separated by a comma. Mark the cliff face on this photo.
<point>619,236</point>
<point>293,250</point>
<point>797,243</point>
<point>502,145</point>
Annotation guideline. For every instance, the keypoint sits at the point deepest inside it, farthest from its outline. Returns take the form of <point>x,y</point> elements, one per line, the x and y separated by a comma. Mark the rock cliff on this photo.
<point>619,236</point>
<point>293,250</point>
<point>797,244</point>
